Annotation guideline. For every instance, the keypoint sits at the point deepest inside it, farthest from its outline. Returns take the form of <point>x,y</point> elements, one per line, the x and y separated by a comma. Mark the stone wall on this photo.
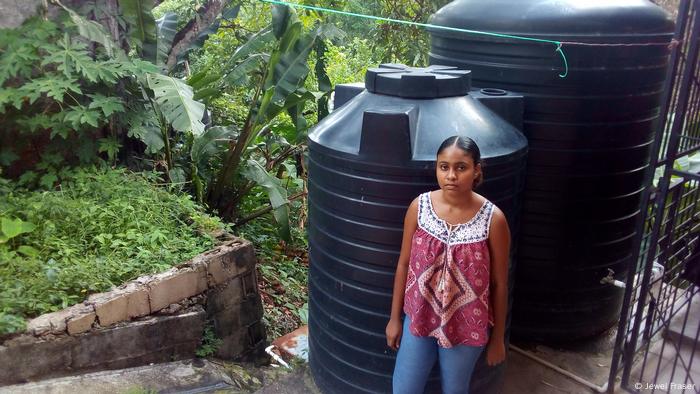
<point>154,318</point>
<point>14,12</point>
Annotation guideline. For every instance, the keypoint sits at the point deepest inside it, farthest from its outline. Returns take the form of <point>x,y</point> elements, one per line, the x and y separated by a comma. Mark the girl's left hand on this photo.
<point>495,352</point>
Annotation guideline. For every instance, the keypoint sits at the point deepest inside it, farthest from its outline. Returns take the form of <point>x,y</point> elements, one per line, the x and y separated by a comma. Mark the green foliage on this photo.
<point>93,31</point>
<point>166,33</point>
<point>267,72</point>
<point>347,63</point>
<point>60,87</point>
<point>142,26</point>
<point>175,101</point>
<point>184,10</point>
<point>210,342</point>
<point>276,192</point>
<point>11,228</point>
<point>390,42</point>
<point>102,228</point>
<point>282,267</point>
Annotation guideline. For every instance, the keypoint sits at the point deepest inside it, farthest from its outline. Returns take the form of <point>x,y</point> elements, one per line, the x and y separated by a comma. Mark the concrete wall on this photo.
<point>154,318</point>
<point>14,12</point>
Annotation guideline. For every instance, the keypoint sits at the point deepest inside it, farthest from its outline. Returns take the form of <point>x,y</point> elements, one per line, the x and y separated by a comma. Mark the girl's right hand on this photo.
<point>393,333</point>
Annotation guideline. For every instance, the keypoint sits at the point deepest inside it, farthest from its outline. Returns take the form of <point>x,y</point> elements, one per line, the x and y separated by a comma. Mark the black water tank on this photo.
<point>589,138</point>
<point>367,161</point>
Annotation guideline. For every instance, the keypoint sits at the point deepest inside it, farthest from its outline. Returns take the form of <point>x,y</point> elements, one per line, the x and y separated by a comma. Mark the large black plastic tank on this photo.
<point>589,138</point>
<point>367,161</point>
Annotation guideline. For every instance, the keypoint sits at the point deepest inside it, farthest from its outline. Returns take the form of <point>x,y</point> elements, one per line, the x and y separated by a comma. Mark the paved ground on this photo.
<point>589,362</point>
<point>523,375</point>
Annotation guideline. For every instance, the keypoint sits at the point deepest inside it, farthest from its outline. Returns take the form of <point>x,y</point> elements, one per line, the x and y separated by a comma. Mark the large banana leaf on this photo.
<point>287,67</point>
<point>210,142</point>
<point>166,30</point>
<point>282,18</point>
<point>142,26</point>
<point>241,73</point>
<point>174,97</point>
<point>290,67</point>
<point>275,192</point>
<point>254,44</point>
<point>324,81</point>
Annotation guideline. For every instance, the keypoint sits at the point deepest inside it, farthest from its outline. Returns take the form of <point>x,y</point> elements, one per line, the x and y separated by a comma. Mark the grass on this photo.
<point>97,230</point>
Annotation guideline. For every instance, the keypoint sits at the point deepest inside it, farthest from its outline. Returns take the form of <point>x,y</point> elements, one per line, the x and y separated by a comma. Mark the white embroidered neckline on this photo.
<point>474,230</point>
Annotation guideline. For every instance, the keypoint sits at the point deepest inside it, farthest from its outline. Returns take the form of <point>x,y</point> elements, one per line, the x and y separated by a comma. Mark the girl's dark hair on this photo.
<point>469,147</point>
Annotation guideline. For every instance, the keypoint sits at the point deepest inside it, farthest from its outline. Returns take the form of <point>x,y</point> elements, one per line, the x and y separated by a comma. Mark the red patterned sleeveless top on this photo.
<point>447,286</point>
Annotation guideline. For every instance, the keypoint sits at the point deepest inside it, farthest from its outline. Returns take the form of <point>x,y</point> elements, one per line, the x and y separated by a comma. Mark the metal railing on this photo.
<point>658,300</point>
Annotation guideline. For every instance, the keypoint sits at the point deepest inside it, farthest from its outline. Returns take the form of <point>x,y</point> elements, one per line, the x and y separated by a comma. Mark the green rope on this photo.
<point>558,44</point>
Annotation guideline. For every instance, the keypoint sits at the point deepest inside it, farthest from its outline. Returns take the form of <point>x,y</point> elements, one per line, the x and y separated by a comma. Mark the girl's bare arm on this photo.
<point>393,328</point>
<point>499,249</point>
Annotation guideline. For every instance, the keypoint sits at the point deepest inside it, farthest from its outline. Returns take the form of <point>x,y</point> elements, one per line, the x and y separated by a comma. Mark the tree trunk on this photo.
<point>206,15</point>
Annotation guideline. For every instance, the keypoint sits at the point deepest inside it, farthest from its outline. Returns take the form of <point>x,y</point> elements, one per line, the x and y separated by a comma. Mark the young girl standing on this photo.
<point>452,278</point>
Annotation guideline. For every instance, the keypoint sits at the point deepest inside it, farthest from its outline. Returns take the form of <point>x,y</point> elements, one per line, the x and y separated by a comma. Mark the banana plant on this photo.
<point>275,62</point>
<point>218,160</point>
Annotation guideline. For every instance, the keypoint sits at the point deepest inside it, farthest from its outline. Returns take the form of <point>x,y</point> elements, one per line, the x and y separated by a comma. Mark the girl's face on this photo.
<point>456,170</point>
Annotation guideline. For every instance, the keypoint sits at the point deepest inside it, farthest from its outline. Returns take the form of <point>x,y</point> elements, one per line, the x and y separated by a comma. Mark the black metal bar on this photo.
<point>686,174</point>
<point>669,85</point>
<point>664,182</point>
<point>695,345</point>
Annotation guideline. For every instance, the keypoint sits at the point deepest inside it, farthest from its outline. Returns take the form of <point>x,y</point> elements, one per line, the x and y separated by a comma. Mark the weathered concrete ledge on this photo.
<point>154,318</point>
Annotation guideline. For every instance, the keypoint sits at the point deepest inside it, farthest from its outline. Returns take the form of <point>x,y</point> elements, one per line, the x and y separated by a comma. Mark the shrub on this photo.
<point>99,229</point>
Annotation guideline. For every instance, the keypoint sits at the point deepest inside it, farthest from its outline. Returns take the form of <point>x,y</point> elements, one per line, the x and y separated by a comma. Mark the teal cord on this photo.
<point>566,63</point>
<point>558,44</point>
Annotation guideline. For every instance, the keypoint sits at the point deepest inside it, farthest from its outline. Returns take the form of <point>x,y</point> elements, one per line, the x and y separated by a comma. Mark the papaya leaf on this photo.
<point>93,31</point>
<point>17,60</point>
<point>36,122</point>
<point>144,126</point>
<point>52,85</point>
<point>79,115</point>
<point>110,146</point>
<point>70,57</point>
<point>175,99</point>
<point>108,105</point>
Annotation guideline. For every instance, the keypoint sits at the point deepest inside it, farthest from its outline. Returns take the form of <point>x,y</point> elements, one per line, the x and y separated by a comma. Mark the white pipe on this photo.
<point>599,389</point>
<point>277,358</point>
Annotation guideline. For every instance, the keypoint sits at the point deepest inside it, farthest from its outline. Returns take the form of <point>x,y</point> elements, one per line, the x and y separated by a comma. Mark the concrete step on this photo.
<point>182,377</point>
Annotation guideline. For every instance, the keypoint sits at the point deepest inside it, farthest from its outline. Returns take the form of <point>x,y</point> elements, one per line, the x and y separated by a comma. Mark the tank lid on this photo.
<point>558,18</point>
<point>418,82</point>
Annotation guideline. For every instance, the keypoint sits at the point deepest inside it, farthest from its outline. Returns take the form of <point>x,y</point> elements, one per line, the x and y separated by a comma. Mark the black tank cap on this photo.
<point>418,82</point>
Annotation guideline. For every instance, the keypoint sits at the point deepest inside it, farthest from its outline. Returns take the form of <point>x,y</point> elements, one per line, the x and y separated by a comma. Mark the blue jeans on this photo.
<point>416,358</point>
